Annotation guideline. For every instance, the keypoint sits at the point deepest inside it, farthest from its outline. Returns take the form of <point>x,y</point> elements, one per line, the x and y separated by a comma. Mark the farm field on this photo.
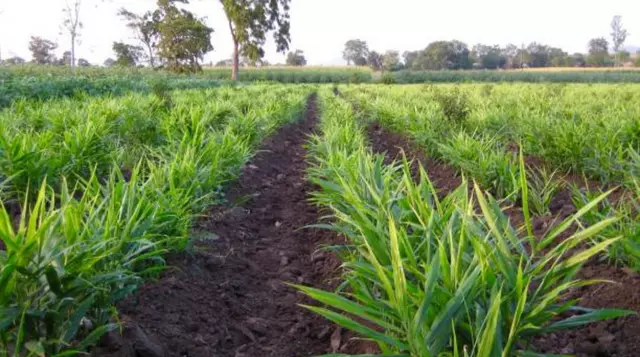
<point>50,82</point>
<point>475,219</point>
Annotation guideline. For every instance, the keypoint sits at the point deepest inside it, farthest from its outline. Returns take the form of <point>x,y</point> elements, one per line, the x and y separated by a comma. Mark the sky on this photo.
<point>321,27</point>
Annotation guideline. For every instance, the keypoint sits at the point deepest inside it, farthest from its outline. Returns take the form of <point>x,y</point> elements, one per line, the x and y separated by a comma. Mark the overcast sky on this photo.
<point>321,27</point>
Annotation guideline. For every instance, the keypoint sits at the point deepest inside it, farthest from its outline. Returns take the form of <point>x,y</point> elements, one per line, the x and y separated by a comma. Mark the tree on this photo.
<point>408,57</point>
<point>126,55</point>
<point>539,55</point>
<point>559,58</point>
<point>109,62</point>
<point>146,31</point>
<point>490,57</point>
<point>65,60</point>
<point>72,24</point>
<point>83,63</point>
<point>374,60</point>
<point>391,61</point>
<point>578,59</point>
<point>183,38</point>
<point>444,55</point>
<point>42,50</point>
<point>510,52</point>
<point>14,60</point>
<point>598,45</point>
<point>296,58</point>
<point>598,52</point>
<point>356,52</point>
<point>618,35</point>
<point>623,56</point>
<point>249,23</point>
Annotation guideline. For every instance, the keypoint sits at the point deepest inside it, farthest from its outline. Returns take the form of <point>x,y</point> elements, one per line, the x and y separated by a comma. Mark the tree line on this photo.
<point>454,55</point>
<point>174,38</point>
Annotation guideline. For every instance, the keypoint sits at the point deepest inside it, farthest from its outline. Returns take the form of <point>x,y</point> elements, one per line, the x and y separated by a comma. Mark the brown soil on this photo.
<point>445,178</point>
<point>613,338</point>
<point>230,297</point>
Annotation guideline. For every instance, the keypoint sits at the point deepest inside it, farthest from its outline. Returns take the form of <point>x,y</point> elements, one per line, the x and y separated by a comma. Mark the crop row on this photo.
<point>95,192</point>
<point>429,277</point>
<point>479,129</point>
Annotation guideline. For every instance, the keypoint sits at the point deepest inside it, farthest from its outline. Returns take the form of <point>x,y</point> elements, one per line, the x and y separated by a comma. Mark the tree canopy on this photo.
<point>391,61</point>
<point>42,50</point>
<point>374,60</point>
<point>296,58</point>
<point>145,29</point>
<point>356,52</point>
<point>183,38</point>
<point>250,21</point>
<point>126,55</point>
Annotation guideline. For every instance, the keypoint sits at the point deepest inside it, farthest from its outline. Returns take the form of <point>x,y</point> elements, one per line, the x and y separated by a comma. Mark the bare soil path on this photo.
<point>230,298</point>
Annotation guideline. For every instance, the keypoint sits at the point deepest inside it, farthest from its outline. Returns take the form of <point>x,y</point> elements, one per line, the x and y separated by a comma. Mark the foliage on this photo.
<point>374,60</point>
<point>598,52</point>
<point>42,50</point>
<point>387,78</point>
<point>618,36</point>
<point>13,60</point>
<point>126,55</point>
<point>296,58</point>
<point>591,131</point>
<point>146,30</point>
<point>489,57</point>
<point>83,63</point>
<point>542,188</point>
<point>183,38</point>
<point>443,55</point>
<point>618,33</point>
<point>391,61</point>
<point>356,52</point>
<point>98,190</point>
<point>414,262</point>
<point>249,23</point>
<point>454,104</point>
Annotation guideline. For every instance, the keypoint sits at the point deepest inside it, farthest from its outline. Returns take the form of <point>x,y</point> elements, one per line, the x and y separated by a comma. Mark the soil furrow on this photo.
<point>229,297</point>
<point>612,338</point>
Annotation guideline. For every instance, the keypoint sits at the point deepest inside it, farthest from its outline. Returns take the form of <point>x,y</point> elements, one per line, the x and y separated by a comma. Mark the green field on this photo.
<point>103,174</point>
<point>45,82</point>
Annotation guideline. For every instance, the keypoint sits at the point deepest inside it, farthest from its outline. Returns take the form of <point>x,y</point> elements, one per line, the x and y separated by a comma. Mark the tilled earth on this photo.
<point>231,298</point>
<point>613,338</point>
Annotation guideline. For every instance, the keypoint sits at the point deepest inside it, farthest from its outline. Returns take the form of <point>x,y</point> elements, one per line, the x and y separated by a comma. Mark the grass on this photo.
<point>95,192</point>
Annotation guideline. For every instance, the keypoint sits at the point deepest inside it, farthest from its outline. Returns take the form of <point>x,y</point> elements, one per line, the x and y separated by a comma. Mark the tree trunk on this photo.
<point>151,60</point>
<point>236,60</point>
<point>73,51</point>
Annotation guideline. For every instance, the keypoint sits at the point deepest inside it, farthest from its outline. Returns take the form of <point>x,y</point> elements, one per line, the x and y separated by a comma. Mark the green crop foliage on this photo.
<point>94,192</point>
<point>587,130</point>
<point>430,277</point>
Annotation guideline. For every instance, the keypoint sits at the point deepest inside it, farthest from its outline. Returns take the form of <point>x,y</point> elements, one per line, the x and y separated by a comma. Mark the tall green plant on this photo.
<point>432,277</point>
